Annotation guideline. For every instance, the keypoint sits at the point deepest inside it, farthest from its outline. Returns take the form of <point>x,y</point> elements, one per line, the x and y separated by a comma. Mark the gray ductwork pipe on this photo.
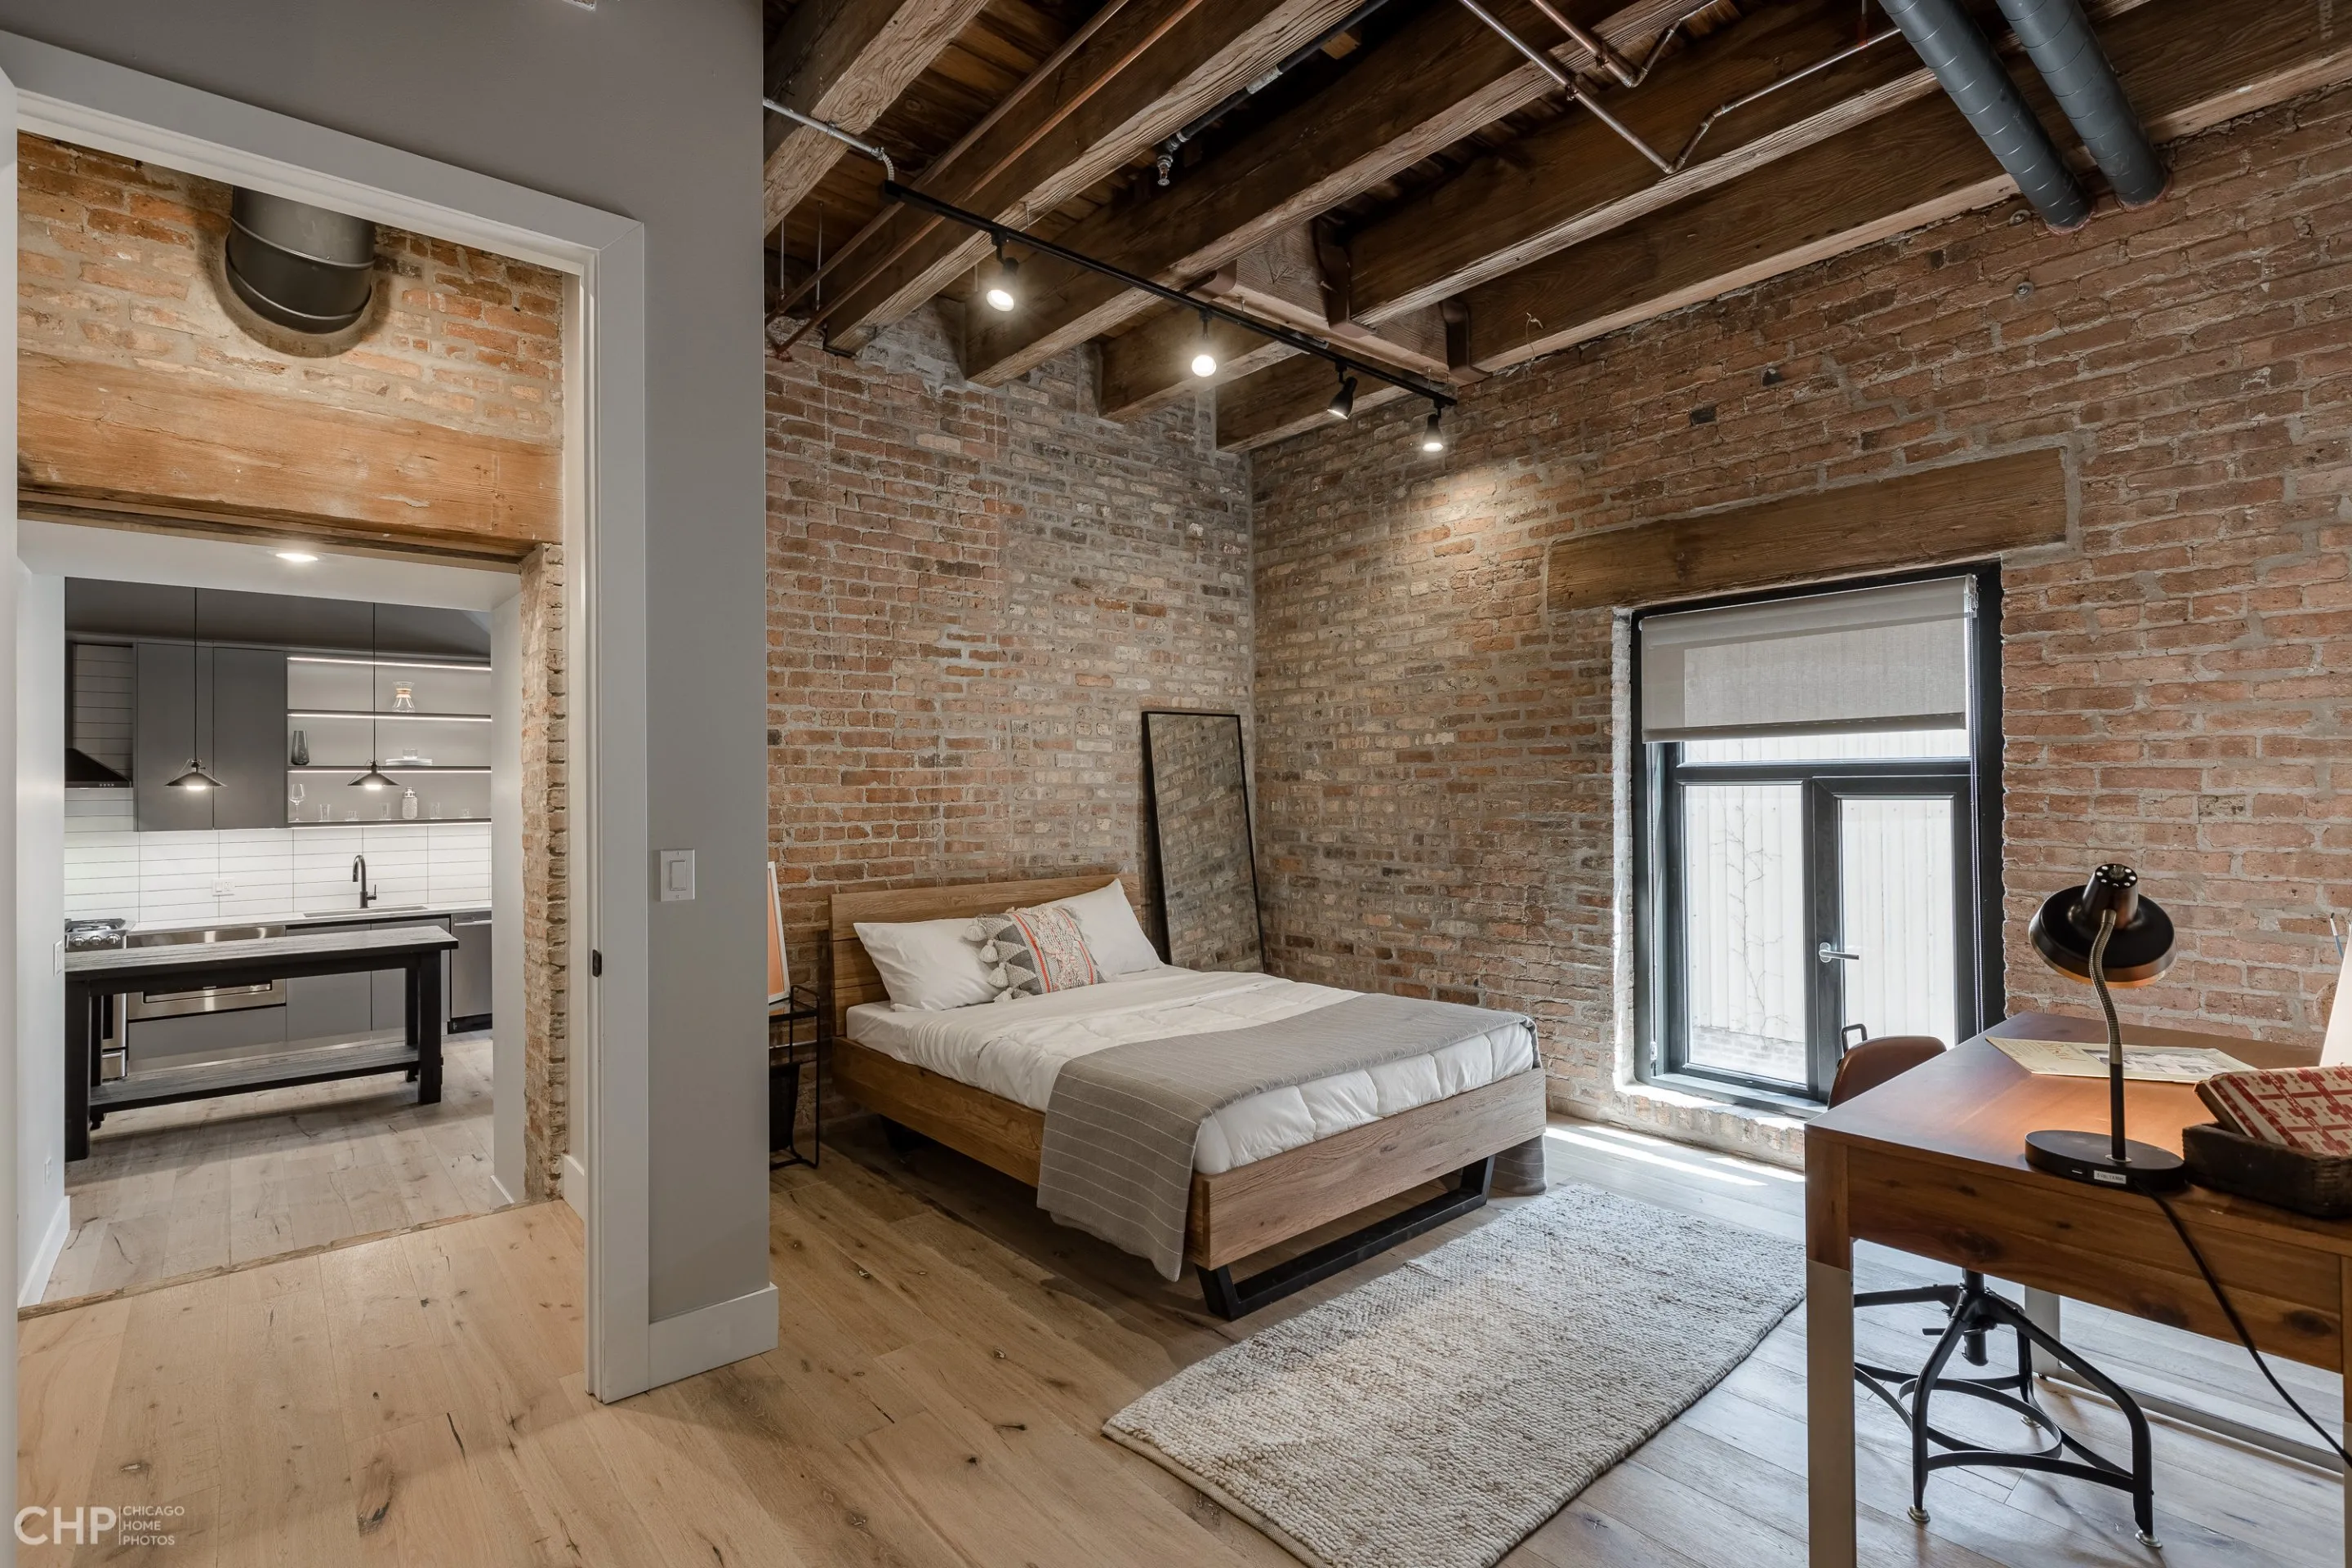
<point>1956,49</point>
<point>299,266</point>
<point>2064,49</point>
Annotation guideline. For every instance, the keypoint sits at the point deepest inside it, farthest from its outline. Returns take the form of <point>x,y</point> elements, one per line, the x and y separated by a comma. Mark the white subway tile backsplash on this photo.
<point>145,878</point>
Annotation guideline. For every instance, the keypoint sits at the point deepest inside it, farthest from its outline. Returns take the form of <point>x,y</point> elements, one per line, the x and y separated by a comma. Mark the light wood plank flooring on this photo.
<point>175,1190</point>
<point>946,1357</point>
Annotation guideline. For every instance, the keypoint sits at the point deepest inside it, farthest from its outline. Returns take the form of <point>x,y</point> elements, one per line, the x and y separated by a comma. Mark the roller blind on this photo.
<point>1868,658</point>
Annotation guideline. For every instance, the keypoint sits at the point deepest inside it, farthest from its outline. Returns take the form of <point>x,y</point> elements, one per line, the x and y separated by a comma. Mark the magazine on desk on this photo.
<point>2142,1064</point>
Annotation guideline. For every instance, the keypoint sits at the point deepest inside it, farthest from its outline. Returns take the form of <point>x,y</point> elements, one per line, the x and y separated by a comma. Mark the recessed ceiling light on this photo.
<point>298,557</point>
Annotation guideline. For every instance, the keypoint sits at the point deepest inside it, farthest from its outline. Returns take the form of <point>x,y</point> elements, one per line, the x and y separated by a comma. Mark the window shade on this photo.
<point>1869,658</point>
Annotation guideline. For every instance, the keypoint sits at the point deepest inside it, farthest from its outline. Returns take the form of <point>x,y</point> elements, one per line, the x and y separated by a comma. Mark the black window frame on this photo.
<point>1974,782</point>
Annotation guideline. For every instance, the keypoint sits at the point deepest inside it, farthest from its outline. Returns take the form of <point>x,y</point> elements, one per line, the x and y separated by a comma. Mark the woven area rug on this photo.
<point>1436,1415</point>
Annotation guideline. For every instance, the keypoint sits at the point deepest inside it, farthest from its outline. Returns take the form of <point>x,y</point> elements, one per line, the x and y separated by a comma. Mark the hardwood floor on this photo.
<point>175,1190</point>
<point>946,1357</point>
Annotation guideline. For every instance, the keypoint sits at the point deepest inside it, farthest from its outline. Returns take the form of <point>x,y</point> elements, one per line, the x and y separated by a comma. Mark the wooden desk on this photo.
<point>1934,1163</point>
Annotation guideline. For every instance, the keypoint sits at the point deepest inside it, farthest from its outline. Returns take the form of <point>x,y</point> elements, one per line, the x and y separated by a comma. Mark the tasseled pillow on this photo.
<point>1028,952</point>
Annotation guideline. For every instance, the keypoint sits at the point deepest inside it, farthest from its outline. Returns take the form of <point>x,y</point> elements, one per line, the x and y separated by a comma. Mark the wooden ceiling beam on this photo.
<point>1286,399</point>
<point>1139,75</point>
<point>1282,281</point>
<point>2187,66</point>
<point>1577,178</point>
<point>1440,78</point>
<point>845,61</point>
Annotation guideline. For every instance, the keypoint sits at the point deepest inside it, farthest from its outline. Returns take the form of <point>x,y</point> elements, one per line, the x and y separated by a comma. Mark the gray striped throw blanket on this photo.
<point>1122,1121</point>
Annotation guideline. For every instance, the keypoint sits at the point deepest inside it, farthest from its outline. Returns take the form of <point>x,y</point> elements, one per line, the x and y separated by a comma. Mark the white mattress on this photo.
<point>1015,1049</point>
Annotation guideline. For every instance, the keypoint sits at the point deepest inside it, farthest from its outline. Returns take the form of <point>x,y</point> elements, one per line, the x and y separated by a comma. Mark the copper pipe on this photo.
<point>1598,47</point>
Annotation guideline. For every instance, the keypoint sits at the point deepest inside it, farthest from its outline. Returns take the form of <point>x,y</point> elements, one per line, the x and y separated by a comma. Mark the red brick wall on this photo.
<point>971,594</point>
<point>119,261</point>
<point>1439,762</point>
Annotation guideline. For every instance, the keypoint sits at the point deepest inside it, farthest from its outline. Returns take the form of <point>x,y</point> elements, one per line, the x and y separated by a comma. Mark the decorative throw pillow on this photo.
<point>1028,952</point>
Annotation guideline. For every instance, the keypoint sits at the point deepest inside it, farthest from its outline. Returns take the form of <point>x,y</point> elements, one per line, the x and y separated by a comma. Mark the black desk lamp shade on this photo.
<point>2106,933</point>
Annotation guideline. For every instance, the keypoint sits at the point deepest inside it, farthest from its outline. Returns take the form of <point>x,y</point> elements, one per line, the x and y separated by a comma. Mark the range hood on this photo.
<point>82,769</point>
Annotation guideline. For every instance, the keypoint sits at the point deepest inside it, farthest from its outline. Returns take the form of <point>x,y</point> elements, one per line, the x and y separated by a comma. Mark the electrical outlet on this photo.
<point>224,890</point>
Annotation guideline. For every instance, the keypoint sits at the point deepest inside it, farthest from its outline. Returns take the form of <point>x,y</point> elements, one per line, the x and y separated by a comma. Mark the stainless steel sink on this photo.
<point>372,910</point>
<point>216,933</point>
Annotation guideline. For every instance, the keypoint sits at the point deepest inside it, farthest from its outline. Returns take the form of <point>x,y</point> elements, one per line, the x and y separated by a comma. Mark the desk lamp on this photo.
<point>2105,933</point>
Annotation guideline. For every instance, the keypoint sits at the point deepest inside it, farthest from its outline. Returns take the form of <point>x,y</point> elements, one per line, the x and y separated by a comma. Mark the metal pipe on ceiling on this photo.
<point>2060,41</point>
<point>1956,50</point>
<point>1200,123</point>
<point>1568,84</point>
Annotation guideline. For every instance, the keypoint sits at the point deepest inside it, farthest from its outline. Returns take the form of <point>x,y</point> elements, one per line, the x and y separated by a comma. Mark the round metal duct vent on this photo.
<point>302,266</point>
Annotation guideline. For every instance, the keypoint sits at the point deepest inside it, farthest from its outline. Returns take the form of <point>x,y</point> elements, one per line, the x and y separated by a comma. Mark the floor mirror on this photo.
<point>1196,795</point>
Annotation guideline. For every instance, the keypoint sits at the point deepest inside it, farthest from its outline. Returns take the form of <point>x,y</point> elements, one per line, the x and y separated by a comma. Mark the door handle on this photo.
<point>1825,952</point>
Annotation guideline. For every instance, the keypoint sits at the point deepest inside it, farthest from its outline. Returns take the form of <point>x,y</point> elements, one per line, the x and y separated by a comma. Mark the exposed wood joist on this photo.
<point>1284,399</point>
<point>150,440</point>
<point>1148,367</point>
<point>2187,66</point>
<point>1578,177</point>
<point>1133,77</point>
<point>1966,512</point>
<point>845,61</point>
<point>1434,82</point>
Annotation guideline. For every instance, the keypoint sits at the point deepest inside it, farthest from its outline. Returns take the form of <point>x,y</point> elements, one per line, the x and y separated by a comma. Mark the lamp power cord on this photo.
<point>2238,1325</point>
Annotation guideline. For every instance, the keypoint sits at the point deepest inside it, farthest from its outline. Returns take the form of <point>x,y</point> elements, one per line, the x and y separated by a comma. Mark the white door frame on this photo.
<point>96,104</point>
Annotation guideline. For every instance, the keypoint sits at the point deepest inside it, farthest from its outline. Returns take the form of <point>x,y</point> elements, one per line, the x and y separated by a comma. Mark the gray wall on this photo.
<point>649,109</point>
<point>40,920</point>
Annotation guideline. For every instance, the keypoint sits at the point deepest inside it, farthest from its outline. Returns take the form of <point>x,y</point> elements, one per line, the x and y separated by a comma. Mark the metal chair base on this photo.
<point>1977,1312</point>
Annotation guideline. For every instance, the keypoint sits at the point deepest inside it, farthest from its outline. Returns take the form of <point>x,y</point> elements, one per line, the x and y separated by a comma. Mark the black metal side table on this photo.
<point>787,1060</point>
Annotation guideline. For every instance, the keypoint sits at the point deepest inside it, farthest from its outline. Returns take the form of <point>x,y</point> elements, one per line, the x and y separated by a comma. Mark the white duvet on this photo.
<point>1015,1049</point>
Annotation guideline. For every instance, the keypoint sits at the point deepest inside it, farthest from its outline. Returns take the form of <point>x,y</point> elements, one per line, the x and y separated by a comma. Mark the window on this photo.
<point>1815,859</point>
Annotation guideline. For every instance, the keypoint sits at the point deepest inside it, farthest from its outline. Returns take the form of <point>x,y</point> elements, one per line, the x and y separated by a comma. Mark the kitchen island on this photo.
<point>92,975</point>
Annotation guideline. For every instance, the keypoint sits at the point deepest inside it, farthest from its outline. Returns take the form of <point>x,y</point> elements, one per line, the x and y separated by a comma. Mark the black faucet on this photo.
<point>359,873</point>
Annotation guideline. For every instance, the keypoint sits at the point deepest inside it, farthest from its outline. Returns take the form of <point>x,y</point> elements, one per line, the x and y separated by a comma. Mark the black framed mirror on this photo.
<point>1196,797</point>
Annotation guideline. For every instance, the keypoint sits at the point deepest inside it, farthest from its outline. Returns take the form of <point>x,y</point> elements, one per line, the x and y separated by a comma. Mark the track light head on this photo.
<point>1001,293</point>
<point>1433,435</point>
<point>1205,358</point>
<point>1343,402</point>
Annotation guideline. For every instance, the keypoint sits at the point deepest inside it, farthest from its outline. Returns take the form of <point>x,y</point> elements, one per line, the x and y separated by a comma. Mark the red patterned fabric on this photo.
<point>2309,1108</point>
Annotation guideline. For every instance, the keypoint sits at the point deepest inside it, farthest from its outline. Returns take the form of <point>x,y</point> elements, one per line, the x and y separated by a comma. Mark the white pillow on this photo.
<point>926,966</point>
<point>1108,921</point>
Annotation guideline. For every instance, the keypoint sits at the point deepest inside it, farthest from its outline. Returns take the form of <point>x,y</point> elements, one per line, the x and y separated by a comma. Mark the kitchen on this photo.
<point>301,786</point>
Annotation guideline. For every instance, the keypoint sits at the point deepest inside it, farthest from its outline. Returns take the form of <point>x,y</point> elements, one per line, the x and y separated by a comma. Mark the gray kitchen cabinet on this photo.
<point>249,737</point>
<point>469,970</point>
<point>225,705</point>
<point>320,1007</point>
<point>171,710</point>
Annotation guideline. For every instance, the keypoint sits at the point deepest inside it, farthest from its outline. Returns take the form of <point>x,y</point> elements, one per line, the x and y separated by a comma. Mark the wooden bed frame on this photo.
<point>1234,1213</point>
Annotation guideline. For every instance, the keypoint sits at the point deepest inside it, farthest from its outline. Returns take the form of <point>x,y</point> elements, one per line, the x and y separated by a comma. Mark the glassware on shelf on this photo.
<point>294,794</point>
<point>301,755</point>
<point>408,807</point>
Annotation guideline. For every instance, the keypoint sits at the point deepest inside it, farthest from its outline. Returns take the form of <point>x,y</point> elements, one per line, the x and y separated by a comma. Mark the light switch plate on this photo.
<point>676,876</point>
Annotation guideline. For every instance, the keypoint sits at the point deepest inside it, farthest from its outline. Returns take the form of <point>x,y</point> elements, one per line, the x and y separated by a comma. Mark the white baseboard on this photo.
<point>575,1184</point>
<point>711,1336</point>
<point>35,1282</point>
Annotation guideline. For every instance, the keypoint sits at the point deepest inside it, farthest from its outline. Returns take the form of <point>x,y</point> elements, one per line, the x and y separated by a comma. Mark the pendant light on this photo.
<point>194,777</point>
<point>375,777</point>
<point>1433,435</point>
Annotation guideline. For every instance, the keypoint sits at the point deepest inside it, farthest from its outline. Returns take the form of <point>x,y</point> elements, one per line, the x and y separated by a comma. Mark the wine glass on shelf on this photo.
<point>294,792</point>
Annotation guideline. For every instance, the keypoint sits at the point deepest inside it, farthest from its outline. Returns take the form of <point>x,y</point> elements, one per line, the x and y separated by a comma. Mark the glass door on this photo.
<point>1810,891</point>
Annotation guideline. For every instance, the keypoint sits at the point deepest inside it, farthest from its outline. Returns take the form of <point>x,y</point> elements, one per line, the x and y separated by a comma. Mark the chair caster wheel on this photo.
<point>2150,1541</point>
<point>1918,1515</point>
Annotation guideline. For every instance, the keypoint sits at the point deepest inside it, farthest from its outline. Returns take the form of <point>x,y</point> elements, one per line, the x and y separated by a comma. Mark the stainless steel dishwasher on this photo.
<point>469,972</point>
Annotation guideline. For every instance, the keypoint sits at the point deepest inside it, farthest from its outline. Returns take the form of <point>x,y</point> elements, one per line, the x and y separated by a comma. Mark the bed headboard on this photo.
<point>854,976</point>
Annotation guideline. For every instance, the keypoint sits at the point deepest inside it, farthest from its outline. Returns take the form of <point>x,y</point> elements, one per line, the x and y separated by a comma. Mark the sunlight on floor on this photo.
<point>1581,1139</point>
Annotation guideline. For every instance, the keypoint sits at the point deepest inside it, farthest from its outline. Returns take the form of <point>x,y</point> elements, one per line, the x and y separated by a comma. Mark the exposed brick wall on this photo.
<point>120,261</point>
<point>546,878</point>
<point>1440,764</point>
<point>973,593</point>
